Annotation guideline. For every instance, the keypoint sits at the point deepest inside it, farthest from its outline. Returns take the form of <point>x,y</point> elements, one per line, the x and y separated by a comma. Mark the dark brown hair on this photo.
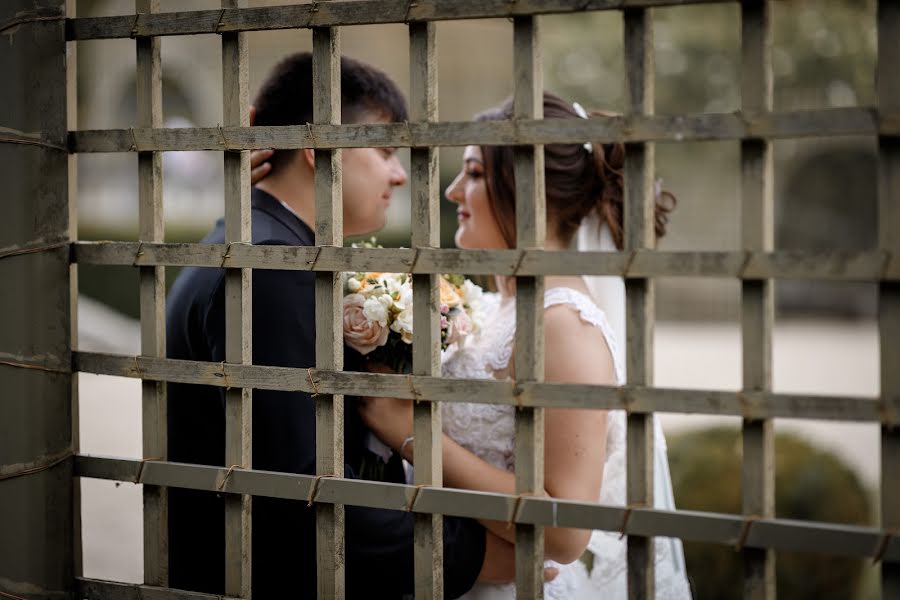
<point>576,180</point>
<point>286,96</point>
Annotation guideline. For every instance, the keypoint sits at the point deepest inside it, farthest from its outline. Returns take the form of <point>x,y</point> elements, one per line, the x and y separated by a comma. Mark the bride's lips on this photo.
<point>462,215</point>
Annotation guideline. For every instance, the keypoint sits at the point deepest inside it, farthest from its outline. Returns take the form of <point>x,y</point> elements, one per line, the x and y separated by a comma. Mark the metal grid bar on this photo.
<point>888,95</point>
<point>320,14</point>
<point>329,338</point>
<point>706,527</point>
<point>826,266</point>
<point>152,301</point>
<point>238,310</point>
<point>829,122</point>
<point>635,399</point>
<point>36,485</point>
<point>72,192</point>
<point>427,448</point>
<point>639,234</point>
<point>757,297</point>
<point>528,103</point>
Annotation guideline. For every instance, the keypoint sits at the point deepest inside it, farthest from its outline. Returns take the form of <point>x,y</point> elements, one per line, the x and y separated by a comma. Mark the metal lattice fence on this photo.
<point>39,365</point>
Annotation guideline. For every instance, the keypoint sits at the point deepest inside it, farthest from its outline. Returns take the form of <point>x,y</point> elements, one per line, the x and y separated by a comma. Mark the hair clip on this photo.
<point>579,110</point>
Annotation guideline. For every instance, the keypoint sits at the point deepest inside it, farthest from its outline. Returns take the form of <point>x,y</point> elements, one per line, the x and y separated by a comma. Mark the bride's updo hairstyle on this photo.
<point>577,180</point>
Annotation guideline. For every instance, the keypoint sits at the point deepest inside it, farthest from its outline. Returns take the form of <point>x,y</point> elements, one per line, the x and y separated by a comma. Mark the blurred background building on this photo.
<point>825,337</point>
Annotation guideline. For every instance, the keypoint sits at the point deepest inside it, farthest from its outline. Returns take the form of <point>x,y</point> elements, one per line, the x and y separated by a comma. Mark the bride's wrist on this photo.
<point>406,449</point>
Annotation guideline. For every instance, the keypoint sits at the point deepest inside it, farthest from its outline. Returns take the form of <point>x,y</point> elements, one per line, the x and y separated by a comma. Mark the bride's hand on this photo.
<point>391,419</point>
<point>259,168</point>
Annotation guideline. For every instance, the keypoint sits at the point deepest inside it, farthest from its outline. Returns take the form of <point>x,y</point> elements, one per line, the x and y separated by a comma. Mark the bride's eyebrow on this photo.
<point>473,159</point>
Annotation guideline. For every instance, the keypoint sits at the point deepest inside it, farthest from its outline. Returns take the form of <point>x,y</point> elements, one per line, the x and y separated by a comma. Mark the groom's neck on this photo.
<point>296,189</point>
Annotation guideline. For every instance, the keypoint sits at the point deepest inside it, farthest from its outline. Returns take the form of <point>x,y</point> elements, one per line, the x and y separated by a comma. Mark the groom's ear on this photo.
<point>309,156</point>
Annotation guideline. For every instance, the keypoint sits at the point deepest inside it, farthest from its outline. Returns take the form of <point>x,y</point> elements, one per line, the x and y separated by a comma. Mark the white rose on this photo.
<point>406,298</point>
<point>471,292</point>
<point>403,325</point>
<point>392,284</point>
<point>386,301</point>
<point>353,284</point>
<point>375,311</point>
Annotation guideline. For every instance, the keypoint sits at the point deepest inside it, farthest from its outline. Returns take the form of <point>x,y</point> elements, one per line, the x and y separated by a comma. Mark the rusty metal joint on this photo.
<point>626,517</point>
<point>516,508</point>
<point>312,266</point>
<point>412,267</point>
<point>417,395</point>
<point>312,383</point>
<point>227,475</point>
<point>745,531</point>
<point>883,544</point>
<point>219,22</point>
<point>137,368</point>
<point>745,264</point>
<point>134,25</point>
<point>410,506</point>
<point>314,489</point>
<point>519,263</point>
<point>138,254</point>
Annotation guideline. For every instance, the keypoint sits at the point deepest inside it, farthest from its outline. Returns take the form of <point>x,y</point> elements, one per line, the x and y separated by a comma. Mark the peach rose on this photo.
<point>449,295</point>
<point>359,333</point>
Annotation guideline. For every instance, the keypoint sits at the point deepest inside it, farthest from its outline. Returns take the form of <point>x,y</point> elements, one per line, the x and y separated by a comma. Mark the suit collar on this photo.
<point>268,203</point>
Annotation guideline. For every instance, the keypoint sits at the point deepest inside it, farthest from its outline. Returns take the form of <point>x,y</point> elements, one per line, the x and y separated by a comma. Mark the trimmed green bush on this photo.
<point>810,484</point>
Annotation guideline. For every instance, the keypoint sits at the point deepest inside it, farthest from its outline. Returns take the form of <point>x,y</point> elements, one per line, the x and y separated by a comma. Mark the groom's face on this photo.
<point>369,178</point>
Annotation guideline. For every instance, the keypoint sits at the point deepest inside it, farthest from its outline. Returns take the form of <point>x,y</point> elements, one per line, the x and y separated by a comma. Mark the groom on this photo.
<point>379,543</point>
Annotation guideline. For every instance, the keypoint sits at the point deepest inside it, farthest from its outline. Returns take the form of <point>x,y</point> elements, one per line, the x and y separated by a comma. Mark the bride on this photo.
<point>583,332</point>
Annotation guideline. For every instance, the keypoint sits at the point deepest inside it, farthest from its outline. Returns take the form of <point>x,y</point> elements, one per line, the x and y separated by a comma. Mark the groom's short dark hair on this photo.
<point>286,96</point>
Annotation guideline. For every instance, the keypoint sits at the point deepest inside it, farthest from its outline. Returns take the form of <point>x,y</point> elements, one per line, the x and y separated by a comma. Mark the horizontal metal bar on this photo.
<point>96,589</point>
<point>717,528</point>
<point>334,14</point>
<point>634,128</point>
<point>814,265</point>
<point>635,399</point>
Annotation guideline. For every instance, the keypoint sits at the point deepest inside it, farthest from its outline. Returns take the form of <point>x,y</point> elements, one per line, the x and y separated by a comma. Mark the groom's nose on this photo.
<point>398,173</point>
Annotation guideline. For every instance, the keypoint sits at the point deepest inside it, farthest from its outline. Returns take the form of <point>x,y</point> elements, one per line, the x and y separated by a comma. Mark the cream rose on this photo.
<point>459,327</point>
<point>360,333</point>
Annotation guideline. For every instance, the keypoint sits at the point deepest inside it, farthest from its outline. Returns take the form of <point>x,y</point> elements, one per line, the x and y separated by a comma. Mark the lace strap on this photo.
<point>589,313</point>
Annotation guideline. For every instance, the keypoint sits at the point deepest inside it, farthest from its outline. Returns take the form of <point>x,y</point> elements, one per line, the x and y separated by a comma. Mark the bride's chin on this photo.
<point>460,239</point>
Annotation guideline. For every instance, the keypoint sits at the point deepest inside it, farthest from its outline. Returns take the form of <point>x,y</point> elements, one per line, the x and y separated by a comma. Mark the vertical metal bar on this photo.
<point>429,547</point>
<point>757,297</point>
<point>528,103</point>
<point>36,525</point>
<point>238,309</point>
<point>640,308</point>
<point>72,124</point>
<point>329,338</point>
<point>888,90</point>
<point>152,300</point>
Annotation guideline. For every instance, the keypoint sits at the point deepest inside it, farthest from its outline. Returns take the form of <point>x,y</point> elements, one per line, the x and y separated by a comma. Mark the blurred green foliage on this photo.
<point>810,484</point>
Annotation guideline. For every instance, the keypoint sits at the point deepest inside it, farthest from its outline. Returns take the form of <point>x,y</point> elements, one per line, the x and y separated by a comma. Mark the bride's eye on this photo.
<point>473,174</point>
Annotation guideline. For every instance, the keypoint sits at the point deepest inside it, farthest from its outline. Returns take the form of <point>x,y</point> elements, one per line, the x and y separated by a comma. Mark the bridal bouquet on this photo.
<point>378,314</point>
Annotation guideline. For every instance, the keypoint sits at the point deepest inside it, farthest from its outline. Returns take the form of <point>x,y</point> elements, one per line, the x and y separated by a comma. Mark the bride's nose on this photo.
<point>454,191</point>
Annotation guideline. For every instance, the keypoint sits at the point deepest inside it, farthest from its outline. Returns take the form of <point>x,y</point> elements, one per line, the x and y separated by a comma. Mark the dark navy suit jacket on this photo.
<point>379,543</point>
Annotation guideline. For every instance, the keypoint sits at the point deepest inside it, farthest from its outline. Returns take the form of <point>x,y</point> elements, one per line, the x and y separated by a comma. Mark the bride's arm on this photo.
<point>575,439</point>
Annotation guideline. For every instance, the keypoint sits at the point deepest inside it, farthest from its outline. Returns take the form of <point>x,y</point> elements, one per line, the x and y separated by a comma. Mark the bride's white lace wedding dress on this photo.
<point>488,431</point>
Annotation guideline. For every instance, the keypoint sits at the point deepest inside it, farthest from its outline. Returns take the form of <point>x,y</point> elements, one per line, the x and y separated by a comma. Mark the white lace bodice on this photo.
<point>488,430</point>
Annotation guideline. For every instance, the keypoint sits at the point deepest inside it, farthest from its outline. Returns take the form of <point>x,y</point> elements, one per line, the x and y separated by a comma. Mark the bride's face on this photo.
<point>477,228</point>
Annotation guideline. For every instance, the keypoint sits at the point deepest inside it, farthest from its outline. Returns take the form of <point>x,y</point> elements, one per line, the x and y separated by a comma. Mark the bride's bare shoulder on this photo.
<point>575,350</point>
